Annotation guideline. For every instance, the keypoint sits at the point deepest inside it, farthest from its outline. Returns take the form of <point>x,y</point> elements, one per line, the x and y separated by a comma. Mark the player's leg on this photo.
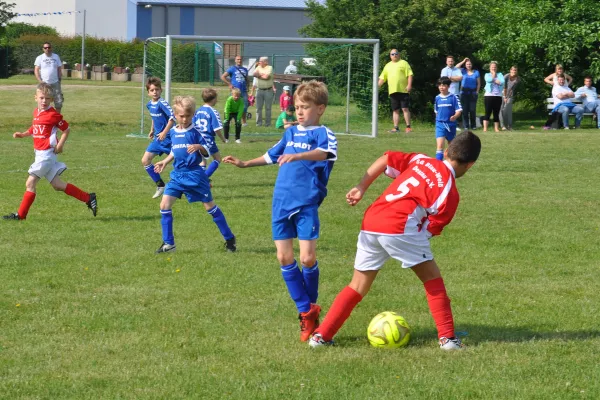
<point>212,167</point>
<point>238,129</point>
<point>149,167</point>
<point>71,190</point>
<point>28,199</point>
<point>226,128</point>
<point>291,273</point>
<point>166,223</point>
<point>441,129</point>
<point>219,219</point>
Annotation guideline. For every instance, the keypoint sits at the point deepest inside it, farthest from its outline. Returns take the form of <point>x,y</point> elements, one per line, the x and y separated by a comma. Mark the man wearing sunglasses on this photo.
<point>48,69</point>
<point>399,76</point>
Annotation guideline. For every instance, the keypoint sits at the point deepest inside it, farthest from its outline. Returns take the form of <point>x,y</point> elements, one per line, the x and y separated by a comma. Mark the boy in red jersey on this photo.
<point>416,206</point>
<point>46,123</point>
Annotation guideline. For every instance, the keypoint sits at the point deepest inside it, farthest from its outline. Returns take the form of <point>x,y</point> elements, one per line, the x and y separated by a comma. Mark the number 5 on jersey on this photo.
<point>403,189</point>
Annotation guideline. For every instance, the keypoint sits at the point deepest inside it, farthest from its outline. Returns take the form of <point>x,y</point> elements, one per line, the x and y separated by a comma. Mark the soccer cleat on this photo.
<point>238,141</point>
<point>452,343</point>
<point>92,204</point>
<point>14,216</point>
<point>309,321</point>
<point>230,245</point>
<point>317,340</point>
<point>159,191</point>
<point>165,248</point>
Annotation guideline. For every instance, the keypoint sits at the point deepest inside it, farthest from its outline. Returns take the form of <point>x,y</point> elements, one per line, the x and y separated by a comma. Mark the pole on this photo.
<point>348,90</point>
<point>143,85</point>
<point>83,47</point>
<point>196,63</point>
<point>168,68</point>
<point>374,105</point>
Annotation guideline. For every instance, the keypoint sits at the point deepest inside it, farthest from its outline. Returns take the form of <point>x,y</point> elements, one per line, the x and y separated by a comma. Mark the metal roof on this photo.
<point>291,4</point>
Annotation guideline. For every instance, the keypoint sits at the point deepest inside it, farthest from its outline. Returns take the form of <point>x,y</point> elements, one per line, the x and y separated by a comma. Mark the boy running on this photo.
<point>447,110</point>
<point>419,203</point>
<point>46,124</point>
<point>187,177</point>
<point>208,121</point>
<point>305,155</point>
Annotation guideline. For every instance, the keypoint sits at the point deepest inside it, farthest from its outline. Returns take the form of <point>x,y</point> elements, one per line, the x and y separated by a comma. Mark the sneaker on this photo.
<point>408,130</point>
<point>244,124</point>
<point>547,128</point>
<point>165,248</point>
<point>566,128</point>
<point>452,343</point>
<point>238,141</point>
<point>458,129</point>
<point>317,340</point>
<point>309,321</point>
<point>14,216</point>
<point>226,140</point>
<point>230,245</point>
<point>93,204</point>
<point>159,191</point>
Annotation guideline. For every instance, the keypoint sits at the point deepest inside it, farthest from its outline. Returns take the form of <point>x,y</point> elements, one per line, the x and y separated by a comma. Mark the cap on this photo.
<point>286,88</point>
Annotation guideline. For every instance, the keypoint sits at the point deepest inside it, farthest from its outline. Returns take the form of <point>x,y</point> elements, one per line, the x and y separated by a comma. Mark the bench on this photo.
<point>296,79</point>
<point>550,107</point>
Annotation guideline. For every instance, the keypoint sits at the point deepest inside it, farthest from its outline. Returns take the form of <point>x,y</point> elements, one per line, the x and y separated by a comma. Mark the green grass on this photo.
<point>88,311</point>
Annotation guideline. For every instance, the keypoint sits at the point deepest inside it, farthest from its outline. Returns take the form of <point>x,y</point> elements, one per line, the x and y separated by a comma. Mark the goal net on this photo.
<point>349,67</point>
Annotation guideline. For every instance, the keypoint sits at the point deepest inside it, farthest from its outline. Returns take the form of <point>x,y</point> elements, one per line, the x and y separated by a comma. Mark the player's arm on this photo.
<point>220,135</point>
<point>159,166</point>
<point>256,162</point>
<point>240,111</point>
<point>224,79</point>
<point>377,168</point>
<point>443,216</point>
<point>28,132</point>
<point>151,133</point>
<point>61,142</point>
<point>313,155</point>
<point>165,131</point>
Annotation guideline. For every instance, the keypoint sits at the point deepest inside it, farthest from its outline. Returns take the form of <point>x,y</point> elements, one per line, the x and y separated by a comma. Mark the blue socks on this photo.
<point>166,221</point>
<point>439,155</point>
<point>311,281</point>
<point>220,221</point>
<point>150,170</point>
<point>295,283</point>
<point>212,168</point>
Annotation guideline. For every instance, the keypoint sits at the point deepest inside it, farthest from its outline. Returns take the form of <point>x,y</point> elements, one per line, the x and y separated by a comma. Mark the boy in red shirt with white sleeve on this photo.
<point>46,124</point>
<point>416,206</point>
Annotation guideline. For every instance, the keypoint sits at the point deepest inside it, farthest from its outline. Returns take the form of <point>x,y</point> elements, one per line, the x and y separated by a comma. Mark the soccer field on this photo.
<point>87,310</point>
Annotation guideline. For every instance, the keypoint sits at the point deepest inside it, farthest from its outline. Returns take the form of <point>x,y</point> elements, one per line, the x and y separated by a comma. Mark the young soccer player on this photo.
<point>46,124</point>
<point>208,122</point>
<point>162,122</point>
<point>305,155</point>
<point>234,110</point>
<point>416,206</point>
<point>187,177</point>
<point>286,118</point>
<point>447,110</point>
<point>285,100</point>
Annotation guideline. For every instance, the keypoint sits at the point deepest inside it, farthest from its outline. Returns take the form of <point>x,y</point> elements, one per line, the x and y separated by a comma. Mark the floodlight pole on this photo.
<point>83,47</point>
<point>375,104</point>
<point>168,67</point>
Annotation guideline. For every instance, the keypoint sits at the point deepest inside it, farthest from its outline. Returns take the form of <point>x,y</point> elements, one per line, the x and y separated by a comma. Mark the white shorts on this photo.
<point>48,168</point>
<point>373,250</point>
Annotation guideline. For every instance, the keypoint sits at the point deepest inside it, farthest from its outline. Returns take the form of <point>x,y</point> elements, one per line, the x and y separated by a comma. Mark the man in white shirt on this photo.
<point>454,74</point>
<point>589,96</point>
<point>562,95</point>
<point>291,69</point>
<point>48,69</point>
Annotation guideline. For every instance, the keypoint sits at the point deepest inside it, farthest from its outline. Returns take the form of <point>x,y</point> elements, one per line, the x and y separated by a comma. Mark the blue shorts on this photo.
<point>157,147</point>
<point>194,184</point>
<point>303,224</point>
<point>445,130</point>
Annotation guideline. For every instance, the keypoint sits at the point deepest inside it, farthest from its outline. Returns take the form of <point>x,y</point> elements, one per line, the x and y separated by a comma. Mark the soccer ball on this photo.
<point>388,330</point>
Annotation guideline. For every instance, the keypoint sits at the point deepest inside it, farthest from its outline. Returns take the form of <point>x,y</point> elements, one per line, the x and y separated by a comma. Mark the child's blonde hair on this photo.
<point>185,103</point>
<point>312,91</point>
<point>209,94</point>
<point>154,80</point>
<point>46,89</point>
<point>236,91</point>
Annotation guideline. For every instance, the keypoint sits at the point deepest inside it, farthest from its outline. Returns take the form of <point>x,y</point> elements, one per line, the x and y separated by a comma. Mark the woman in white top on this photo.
<point>494,86</point>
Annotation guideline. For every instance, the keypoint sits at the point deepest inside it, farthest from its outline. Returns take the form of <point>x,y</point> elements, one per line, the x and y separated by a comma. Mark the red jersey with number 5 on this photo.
<point>421,200</point>
<point>46,124</point>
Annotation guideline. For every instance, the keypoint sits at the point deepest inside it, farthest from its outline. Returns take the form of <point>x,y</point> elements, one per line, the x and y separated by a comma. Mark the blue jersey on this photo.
<point>445,107</point>
<point>161,113</point>
<point>301,183</point>
<point>208,121</point>
<point>180,139</point>
<point>239,76</point>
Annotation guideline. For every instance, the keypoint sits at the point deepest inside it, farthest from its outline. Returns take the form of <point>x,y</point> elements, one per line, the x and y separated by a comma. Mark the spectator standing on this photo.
<point>48,69</point>
<point>291,69</point>
<point>589,96</point>
<point>494,86</point>
<point>238,78</point>
<point>508,98</point>
<point>399,77</point>
<point>454,74</point>
<point>470,86</point>
<point>558,70</point>
<point>265,93</point>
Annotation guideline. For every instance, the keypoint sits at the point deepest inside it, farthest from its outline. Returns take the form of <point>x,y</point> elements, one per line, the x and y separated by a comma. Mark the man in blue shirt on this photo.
<point>238,78</point>
<point>589,96</point>
<point>305,155</point>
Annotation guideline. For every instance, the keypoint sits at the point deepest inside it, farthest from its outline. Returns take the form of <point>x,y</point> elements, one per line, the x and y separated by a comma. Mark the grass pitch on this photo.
<point>88,311</point>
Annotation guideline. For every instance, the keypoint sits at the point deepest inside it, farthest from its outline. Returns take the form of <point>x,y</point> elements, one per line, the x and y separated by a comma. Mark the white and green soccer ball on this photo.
<point>388,330</point>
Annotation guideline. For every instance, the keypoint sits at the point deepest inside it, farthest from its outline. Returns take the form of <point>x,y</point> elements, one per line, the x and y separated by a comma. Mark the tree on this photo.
<point>5,13</point>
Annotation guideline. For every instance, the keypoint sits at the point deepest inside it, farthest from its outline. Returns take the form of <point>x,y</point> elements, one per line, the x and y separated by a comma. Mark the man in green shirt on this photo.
<point>399,77</point>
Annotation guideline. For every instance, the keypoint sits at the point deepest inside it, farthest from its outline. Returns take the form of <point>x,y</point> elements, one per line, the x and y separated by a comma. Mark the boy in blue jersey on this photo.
<point>447,110</point>
<point>162,122</point>
<point>208,121</point>
<point>305,155</point>
<point>187,177</point>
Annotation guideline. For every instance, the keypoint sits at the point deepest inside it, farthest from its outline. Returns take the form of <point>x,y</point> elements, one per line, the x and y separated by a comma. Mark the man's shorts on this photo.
<point>445,130</point>
<point>157,147</point>
<point>303,224</point>
<point>399,100</point>
<point>373,250</point>
<point>194,184</point>
<point>48,168</point>
<point>58,94</point>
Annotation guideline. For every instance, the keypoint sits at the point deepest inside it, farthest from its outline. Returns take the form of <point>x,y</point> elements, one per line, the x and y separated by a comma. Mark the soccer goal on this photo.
<point>349,67</point>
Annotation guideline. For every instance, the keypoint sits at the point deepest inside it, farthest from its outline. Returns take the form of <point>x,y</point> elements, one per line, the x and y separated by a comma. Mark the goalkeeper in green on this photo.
<point>234,110</point>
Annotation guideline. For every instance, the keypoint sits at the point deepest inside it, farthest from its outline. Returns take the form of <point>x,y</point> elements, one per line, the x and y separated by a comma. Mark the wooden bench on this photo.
<point>550,107</point>
<point>296,79</point>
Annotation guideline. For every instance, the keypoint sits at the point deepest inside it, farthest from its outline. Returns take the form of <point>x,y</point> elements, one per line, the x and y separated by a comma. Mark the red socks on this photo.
<point>79,194</point>
<point>26,203</point>
<point>439,305</point>
<point>339,312</point>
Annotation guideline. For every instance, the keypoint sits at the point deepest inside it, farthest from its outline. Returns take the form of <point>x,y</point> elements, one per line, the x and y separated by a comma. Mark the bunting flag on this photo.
<point>36,14</point>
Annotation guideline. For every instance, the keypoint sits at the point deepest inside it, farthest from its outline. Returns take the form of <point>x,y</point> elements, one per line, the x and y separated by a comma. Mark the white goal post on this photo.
<point>327,41</point>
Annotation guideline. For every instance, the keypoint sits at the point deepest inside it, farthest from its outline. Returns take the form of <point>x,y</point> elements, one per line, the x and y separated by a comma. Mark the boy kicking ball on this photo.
<point>188,148</point>
<point>419,203</point>
<point>46,124</point>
